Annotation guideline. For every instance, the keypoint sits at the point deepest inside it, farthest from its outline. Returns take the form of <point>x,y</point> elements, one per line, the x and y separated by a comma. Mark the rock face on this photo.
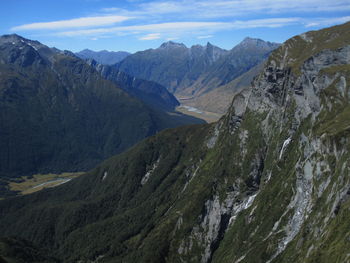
<point>269,182</point>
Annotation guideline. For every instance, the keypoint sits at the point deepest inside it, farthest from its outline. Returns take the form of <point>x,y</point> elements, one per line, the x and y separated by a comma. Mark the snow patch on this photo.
<point>104,175</point>
<point>284,146</point>
<point>188,174</point>
<point>240,259</point>
<point>242,206</point>
<point>149,172</point>
<point>32,46</point>
<point>301,204</point>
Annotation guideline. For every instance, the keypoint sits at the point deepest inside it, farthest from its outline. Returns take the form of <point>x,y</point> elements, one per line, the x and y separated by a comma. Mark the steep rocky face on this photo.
<point>269,182</point>
<point>300,99</point>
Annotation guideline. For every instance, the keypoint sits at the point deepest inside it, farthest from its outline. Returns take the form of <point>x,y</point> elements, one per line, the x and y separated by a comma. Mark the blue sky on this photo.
<point>133,25</point>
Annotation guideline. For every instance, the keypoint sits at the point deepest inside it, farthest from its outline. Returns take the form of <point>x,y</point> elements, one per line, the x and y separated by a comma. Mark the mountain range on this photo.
<point>200,76</point>
<point>268,182</point>
<point>103,57</point>
<point>57,113</point>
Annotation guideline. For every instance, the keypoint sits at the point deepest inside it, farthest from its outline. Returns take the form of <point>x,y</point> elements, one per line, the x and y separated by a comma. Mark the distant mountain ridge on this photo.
<point>150,92</point>
<point>103,57</point>
<point>193,72</point>
<point>173,65</point>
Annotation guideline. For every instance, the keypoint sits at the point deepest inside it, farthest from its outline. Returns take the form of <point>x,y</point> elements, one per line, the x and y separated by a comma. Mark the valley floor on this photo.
<point>208,116</point>
<point>37,182</point>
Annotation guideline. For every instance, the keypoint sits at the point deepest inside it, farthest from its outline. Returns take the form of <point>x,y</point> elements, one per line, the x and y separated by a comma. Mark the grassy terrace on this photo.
<point>40,181</point>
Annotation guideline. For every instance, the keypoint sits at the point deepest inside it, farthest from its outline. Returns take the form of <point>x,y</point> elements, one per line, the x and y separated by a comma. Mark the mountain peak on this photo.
<point>18,40</point>
<point>171,44</point>
<point>250,40</point>
<point>13,38</point>
<point>256,42</point>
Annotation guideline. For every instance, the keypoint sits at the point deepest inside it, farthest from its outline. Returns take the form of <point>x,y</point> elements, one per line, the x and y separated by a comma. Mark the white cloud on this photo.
<point>198,18</point>
<point>161,27</point>
<point>231,8</point>
<point>172,28</point>
<point>150,36</point>
<point>74,23</point>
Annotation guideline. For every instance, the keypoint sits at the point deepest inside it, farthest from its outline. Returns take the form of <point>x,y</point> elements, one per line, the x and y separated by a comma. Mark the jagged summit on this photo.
<point>172,44</point>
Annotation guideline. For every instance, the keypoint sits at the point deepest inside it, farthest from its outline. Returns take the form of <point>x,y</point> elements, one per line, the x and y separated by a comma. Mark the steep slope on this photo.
<point>269,182</point>
<point>247,54</point>
<point>151,93</point>
<point>218,97</point>
<point>103,57</point>
<point>58,114</point>
<point>22,251</point>
<point>228,75</point>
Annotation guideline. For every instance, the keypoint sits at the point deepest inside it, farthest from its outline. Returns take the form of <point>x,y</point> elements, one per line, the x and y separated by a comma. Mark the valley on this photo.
<point>181,152</point>
<point>209,117</point>
<point>37,182</point>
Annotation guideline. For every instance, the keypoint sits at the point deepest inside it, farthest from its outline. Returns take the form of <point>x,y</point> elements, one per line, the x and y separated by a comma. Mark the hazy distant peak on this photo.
<point>104,56</point>
<point>171,44</point>
<point>256,42</point>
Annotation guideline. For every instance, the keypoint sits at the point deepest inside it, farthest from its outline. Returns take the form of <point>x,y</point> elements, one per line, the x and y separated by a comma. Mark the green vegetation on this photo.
<point>271,186</point>
<point>58,114</point>
<point>298,49</point>
<point>21,251</point>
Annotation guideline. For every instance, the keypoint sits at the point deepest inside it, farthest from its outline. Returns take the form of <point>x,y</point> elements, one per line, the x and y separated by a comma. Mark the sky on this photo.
<point>134,25</point>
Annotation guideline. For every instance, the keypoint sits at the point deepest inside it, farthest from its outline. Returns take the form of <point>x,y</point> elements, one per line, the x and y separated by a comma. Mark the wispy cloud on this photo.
<point>326,21</point>
<point>170,19</point>
<point>230,8</point>
<point>161,27</point>
<point>185,27</point>
<point>92,21</point>
<point>150,36</point>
